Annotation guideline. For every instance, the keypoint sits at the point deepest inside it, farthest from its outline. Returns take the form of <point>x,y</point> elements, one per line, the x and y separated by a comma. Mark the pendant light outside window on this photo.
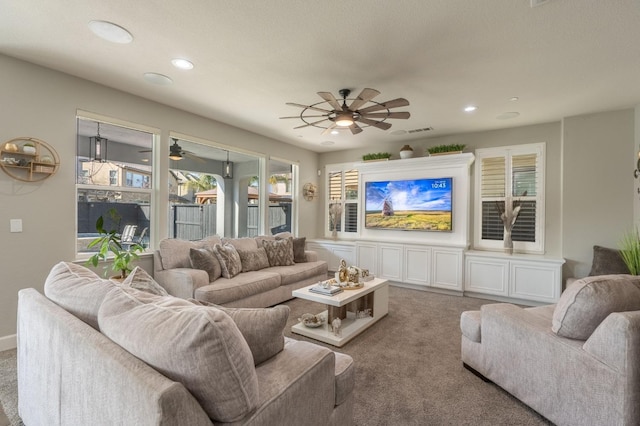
<point>98,147</point>
<point>227,170</point>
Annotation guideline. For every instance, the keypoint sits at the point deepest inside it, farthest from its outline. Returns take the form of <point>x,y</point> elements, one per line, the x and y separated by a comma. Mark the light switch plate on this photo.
<point>16,225</point>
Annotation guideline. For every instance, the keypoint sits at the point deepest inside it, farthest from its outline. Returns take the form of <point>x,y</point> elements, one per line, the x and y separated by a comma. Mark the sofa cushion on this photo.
<point>78,290</point>
<point>607,261</point>
<point>141,280</point>
<point>588,301</point>
<point>229,260</point>
<point>247,284</point>
<point>279,252</point>
<point>198,346</point>
<point>244,243</point>
<point>299,271</point>
<point>470,325</point>
<point>206,259</point>
<point>262,328</point>
<point>253,260</point>
<point>174,252</point>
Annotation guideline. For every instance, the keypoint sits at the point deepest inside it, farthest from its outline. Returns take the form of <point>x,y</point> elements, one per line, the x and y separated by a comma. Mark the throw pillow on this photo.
<point>78,290</point>
<point>607,261</point>
<point>141,280</point>
<point>244,243</point>
<point>229,259</point>
<point>198,346</point>
<point>253,260</point>
<point>206,259</point>
<point>299,246</point>
<point>262,328</point>
<point>588,301</point>
<point>279,252</point>
<point>174,252</point>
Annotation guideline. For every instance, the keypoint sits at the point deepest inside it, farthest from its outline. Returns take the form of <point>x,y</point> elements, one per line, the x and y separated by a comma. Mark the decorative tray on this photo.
<point>311,321</point>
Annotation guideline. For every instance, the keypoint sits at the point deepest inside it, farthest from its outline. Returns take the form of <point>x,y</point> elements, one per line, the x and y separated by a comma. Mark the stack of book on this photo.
<point>328,291</point>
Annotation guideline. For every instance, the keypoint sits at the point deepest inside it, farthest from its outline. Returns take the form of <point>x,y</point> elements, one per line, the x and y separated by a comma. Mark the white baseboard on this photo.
<point>8,342</point>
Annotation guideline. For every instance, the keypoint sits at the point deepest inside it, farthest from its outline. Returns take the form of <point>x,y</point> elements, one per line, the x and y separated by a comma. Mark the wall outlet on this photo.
<point>15,225</point>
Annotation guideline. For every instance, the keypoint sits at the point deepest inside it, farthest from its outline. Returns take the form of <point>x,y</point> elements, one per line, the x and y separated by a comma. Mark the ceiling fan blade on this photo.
<point>311,124</point>
<point>328,96</point>
<point>379,124</point>
<point>355,129</point>
<point>385,105</point>
<point>329,129</point>
<point>145,150</point>
<point>306,116</point>
<point>365,96</point>
<point>309,107</point>
<point>382,115</point>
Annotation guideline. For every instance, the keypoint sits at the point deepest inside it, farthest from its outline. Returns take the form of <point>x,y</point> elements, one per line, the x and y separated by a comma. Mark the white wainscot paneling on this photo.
<point>367,255</point>
<point>486,275</point>
<point>447,269</point>
<point>526,279</point>
<point>417,265</point>
<point>332,252</point>
<point>390,256</point>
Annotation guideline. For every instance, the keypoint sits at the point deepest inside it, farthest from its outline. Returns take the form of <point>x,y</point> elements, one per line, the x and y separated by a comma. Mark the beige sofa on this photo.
<point>575,363</point>
<point>259,285</point>
<point>96,353</point>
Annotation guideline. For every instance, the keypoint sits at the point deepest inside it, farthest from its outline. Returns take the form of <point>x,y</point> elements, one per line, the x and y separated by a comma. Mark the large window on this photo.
<point>513,175</point>
<point>113,180</point>
<point>342,201</point>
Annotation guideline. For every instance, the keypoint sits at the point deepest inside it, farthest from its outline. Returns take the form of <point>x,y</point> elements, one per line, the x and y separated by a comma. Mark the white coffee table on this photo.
<point>373,295</point>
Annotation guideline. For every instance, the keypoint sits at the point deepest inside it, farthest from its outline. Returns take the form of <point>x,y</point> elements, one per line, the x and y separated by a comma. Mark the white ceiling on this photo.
<point>563,58</point>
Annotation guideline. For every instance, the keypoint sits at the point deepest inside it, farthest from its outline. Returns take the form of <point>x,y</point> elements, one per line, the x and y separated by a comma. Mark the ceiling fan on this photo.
<point>177,153</point>
<point>362,112</point>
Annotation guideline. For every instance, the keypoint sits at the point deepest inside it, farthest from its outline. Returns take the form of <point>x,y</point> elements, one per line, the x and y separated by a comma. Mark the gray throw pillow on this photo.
<point>262,328</point>
<point>198,346</point>
<point>299,246</point>
<point>279,252</point>
<point>206,259</point>
<point>141,280</point>
<point>253,260</point>
<point>607,261</point>
<point>588,301</point>
<point>229,259</point>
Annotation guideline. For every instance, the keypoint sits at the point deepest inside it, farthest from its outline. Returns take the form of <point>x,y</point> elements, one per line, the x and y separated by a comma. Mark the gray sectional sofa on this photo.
<point>93,352</point>
<point>576,362</point>
<point>191,269</point>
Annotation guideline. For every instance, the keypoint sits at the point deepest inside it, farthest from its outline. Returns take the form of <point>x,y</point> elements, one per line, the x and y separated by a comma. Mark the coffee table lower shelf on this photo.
<point>351,327</point>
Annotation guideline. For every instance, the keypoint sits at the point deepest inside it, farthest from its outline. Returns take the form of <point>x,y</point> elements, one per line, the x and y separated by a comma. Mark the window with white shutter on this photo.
<point>342,201</point>
<point>512,174</point>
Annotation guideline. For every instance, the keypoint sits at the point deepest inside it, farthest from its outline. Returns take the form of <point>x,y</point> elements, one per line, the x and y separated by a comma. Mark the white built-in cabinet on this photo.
<point>522,277</point>
<point>333,251</point>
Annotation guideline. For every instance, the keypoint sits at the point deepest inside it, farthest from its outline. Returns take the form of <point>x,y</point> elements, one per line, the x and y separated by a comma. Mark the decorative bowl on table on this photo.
<point>311,321</point>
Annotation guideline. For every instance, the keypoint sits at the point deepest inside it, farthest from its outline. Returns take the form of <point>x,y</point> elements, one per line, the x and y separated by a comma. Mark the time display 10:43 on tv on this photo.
<point>410,204</point>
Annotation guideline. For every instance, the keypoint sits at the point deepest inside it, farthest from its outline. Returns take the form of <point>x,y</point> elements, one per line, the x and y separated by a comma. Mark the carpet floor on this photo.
<point>408,368</point>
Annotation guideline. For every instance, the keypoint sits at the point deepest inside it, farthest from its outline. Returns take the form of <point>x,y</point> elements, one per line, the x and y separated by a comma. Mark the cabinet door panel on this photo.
<point>487,276</point>
<point>533,281</point>
<point>447,269</point>
<point>390,262</point>
<point>417,265</point>
<point>367,255</point>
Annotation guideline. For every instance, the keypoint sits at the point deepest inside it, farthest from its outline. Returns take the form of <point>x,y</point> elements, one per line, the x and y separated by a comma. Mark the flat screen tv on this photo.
<point>410,204</point>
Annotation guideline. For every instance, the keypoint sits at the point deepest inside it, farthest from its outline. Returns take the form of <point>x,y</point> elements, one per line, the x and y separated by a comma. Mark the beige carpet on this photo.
<point>408,368</point>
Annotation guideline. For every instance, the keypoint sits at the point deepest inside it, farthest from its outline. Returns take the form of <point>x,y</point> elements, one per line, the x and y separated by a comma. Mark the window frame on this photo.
<point>342,169</point>
<point>508,152</point>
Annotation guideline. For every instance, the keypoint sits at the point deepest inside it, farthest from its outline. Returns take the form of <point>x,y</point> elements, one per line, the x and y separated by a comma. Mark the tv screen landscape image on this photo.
<point>411,204</point>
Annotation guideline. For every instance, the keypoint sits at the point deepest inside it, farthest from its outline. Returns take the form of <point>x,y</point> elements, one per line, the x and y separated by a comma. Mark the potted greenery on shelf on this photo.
<point>446,149</point>
<point>376,156</point>
<point>111,242</point>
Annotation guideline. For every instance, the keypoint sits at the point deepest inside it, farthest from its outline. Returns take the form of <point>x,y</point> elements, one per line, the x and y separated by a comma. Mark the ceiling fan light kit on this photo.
<point>362,112</point>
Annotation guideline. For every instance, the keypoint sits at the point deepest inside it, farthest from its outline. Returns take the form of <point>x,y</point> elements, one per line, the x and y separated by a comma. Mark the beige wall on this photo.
<point>41,103</point>
<point>598,185</point>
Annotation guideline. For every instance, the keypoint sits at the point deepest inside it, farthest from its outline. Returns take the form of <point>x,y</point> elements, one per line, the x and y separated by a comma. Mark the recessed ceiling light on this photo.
<point>110,32</point>
<point>335,132</point>
<point>159,79</point>
<point>183,64</point>
<point>470,108</point>
<point>508,115</point>
<point>514,98</point>
<point>327,143</point>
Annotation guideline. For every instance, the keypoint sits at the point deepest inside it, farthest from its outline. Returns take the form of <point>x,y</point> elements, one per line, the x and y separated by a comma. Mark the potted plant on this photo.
<point>29,148</point>
<point>446,149</point>
<point>111,242</point>
<point>377,156</point>
<point>630,251</point>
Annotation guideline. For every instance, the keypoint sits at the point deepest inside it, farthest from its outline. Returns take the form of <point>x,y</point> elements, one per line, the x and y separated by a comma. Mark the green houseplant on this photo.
<point>630,251</point>
<point>376,156</point>
<point>111,242</point>
<point>440,149</point>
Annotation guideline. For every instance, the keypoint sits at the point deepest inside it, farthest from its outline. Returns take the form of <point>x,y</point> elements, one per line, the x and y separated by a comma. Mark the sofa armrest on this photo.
<point>311,255</point>
<point>616,342</point>
<point>182,282</point>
